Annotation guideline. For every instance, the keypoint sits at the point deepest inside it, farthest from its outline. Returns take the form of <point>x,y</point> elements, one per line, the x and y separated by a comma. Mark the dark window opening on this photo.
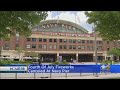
<point>44,40</point>
<point>50,40</point>
<point>60,47</point>
<point>83,41</point>
<point>55,40</point>
<point>34,39</point>
<point>60,40</point>
<point>40,39</point>
<point>28,39</point>
<point>33,46</point>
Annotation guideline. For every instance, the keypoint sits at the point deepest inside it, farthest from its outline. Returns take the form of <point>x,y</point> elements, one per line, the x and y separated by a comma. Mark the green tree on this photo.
<point>19,51</point>
<point>114,51</point>
<point>107,23</point>
<point>12,22</point>
<point>32,54</point>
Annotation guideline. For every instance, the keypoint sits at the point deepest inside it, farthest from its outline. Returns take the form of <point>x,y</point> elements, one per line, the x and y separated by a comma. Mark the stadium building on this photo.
<point>59,40</point>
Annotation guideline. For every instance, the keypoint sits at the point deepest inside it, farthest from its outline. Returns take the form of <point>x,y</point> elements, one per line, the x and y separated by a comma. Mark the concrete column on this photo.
<point>93,57</point>
<point>77,57</point>
<point>57,56</point>
<point>105,54</point>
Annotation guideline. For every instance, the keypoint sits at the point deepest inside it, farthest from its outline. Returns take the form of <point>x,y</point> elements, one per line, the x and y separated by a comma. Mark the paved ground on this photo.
<point>101,76</point>
<point>56,76</point>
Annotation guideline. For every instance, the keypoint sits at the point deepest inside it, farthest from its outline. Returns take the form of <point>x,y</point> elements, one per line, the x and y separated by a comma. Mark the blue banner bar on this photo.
<point>50,68</point>
<point>115,68</point>
<point>64,69</point>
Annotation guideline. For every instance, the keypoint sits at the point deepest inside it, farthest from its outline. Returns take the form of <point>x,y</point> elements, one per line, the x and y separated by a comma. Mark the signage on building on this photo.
<point>66,34</point>
<point>55,25</point>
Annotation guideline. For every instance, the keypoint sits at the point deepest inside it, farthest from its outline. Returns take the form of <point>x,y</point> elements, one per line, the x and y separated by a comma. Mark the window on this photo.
<point>79,41</point>
<point>17,45</point>
<point>79,47</point>
<point>50,46</point>
<point>70,40</point>
<point>119,42</point>
<point>91,41</point>
<point>99,47</point>
<point>54,46</point>
<point>6,47</point>
<point>83,41</point>
<point>70,46</point>
<point>40,46</point>
<point>60,40</point>
<point>74,47</point>
<point>107,42</point>
<point>99,42</point>
<point>64,40</point>
<point>114,43</point>
<point>50,40</point>
<point>88,47</point>
<point>44,40</point>
<point>87,41</point>
<point>55,40</point>
<point>65,47</point>
<point>60,46</point>
<point>28,39</point>
<point>44,46</point>
<point>40,39</point>
<point>74,41</point>
<point>33,46</point>
<point>34,39</point>
<point>82,47</point>
<point>28,46</point>
<point>91,47</point>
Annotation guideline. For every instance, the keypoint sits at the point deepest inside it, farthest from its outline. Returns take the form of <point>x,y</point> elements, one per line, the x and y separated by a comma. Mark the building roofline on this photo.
<point>64,22</point>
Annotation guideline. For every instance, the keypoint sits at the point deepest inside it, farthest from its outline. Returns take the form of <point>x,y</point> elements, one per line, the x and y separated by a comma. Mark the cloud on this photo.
<point>76,17</point>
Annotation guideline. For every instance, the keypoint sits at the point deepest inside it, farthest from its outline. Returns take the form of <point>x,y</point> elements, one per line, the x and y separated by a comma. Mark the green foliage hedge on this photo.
<point>14,62</point>
<point>109,62</point>
<point>57,62</point>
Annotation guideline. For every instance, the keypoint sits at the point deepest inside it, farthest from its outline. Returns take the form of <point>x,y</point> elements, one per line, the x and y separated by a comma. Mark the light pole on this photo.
<point>95,49</point>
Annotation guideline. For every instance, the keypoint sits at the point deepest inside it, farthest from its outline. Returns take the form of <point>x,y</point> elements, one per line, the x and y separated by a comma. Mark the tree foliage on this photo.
<point>107,23</point>
<point>19,51</point>
<point>32,53</point>
<point>114,51</point>
<point>12,22</point>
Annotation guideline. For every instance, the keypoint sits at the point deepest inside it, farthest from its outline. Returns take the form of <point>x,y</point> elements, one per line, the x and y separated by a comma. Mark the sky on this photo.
<point>81,18</point>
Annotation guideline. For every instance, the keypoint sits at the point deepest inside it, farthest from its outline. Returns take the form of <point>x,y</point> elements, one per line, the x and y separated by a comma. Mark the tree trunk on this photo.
<point>19,56</point>
<point>0,47</point>
<point>0,52</point>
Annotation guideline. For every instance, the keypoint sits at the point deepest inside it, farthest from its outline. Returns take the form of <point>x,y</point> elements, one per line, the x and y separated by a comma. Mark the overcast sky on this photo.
<point>70,16</point>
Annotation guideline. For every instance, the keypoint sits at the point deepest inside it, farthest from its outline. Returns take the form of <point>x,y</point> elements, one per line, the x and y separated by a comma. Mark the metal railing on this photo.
<point>44,75</point>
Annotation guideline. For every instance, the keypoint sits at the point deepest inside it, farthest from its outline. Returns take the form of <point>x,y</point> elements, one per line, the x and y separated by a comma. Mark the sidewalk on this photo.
<point>100,76</point>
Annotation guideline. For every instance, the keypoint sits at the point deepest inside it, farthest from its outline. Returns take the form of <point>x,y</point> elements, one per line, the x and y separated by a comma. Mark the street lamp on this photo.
<point>95,49</point>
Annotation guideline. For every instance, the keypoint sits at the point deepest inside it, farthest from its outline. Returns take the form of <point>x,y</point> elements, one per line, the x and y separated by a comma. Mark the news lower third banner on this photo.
<point>13,68</point>
<point>63,68</point>
<point>50,68</point>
